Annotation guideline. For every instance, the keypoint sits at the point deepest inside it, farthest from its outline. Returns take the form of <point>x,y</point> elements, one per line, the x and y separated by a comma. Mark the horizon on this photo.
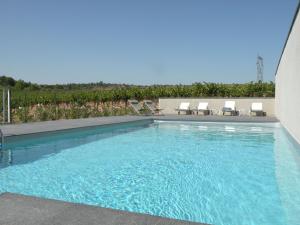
<point>129,84</point>
<point>142,43</point>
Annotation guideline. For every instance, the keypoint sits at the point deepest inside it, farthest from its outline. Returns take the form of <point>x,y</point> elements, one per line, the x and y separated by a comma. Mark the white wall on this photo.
<point>170,104</point>
<point>287,100</point>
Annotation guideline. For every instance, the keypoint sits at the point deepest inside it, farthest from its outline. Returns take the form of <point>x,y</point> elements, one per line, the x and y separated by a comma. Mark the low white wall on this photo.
<point>287,103</point>
<point>168,105</point>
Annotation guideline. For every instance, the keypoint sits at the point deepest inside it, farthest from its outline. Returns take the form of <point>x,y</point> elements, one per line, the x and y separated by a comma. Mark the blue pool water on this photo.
<point>217,173</point>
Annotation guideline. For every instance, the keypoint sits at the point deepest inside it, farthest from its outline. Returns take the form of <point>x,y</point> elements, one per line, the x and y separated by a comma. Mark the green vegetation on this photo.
<point>33,102</point>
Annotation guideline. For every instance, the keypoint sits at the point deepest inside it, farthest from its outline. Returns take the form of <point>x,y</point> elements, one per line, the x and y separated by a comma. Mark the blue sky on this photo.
<point>141,42</point>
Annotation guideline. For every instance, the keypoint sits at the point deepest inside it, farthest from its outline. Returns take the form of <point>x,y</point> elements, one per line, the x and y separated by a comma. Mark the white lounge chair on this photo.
<point>229,107</point>
<point>184,107</point>
<point>257,109</point>
<point>203,108</point>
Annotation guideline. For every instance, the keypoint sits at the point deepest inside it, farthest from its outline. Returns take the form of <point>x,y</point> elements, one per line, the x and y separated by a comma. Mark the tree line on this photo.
<point>27,94</point>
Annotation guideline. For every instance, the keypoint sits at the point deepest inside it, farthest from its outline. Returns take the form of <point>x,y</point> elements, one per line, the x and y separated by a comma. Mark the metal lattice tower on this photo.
<point>260,68</point>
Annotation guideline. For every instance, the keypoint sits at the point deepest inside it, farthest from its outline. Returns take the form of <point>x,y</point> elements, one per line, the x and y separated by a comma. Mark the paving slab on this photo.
<point>16,209</point>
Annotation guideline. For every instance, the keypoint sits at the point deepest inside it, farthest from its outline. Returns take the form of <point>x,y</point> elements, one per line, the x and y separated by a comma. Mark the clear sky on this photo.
<point>142,41</point>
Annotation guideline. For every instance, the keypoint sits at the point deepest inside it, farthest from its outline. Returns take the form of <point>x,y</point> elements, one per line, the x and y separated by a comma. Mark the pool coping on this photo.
<point>16,130</point>
<point>19,209</point>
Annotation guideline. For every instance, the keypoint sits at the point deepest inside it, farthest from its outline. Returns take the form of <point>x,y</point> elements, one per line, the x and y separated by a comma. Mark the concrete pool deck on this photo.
<point>25,210</point>
<point>11,130</point>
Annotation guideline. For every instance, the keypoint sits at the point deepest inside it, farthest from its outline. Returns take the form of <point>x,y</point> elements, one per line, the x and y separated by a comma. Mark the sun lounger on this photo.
<point>184,107</point>
<point>229,107</point>
<point>151,107</point>
<point>203,108</point>
<point>257,109</point>
<point>136,106</point>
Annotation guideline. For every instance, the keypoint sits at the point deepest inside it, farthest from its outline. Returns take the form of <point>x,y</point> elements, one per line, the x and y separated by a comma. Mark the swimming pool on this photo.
<point>216,173</point>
